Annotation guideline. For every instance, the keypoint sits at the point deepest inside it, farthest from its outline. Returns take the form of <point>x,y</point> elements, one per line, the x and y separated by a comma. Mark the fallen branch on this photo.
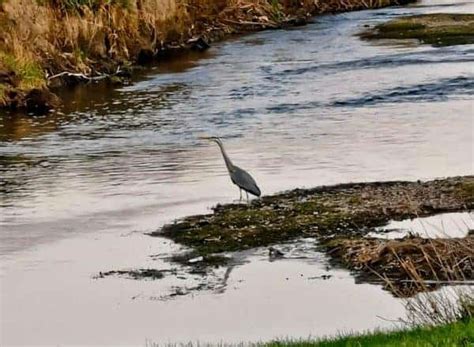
<point>71,74</point>
<point>83,76</point>
<point>262,24</point>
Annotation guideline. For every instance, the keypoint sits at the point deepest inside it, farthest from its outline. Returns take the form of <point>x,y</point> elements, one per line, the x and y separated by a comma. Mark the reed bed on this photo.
<point>410,265</point>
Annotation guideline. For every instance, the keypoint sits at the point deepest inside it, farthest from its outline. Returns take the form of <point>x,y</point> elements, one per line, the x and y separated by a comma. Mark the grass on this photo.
<point>408,265</point>
<point>455,334</point>
<point>29,73</point>
<point>437,319</point>
<point>3,90</point>
<point>74,5</point>
<point>439,29</point>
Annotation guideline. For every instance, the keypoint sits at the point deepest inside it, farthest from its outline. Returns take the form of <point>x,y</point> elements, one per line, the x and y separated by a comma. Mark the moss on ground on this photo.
<point>466,192</point>
<point>347,209</point>
<point>439,29</point>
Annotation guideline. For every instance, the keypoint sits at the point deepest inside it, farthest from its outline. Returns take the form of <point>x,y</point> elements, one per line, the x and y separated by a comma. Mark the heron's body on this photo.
<point>243,180</point>
<point>239,177</point>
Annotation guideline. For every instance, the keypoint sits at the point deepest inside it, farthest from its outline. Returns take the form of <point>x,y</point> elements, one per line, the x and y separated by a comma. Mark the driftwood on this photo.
<point>269,24</point>
<point>78,75</point>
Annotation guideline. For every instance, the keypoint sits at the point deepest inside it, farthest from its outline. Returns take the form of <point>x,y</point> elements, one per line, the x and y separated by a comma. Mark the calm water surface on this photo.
<point>302,107</point>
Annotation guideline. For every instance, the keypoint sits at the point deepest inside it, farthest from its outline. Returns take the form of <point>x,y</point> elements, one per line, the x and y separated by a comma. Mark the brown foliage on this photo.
<point>97,36</point>
<point>411,264</point>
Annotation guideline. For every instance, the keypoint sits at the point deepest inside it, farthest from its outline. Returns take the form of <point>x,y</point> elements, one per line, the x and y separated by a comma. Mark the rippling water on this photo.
<point>301,107</point>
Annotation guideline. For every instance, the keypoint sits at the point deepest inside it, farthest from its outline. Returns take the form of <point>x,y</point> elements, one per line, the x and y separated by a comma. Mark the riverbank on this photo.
<point>53,44</point>
<point>454,334</point>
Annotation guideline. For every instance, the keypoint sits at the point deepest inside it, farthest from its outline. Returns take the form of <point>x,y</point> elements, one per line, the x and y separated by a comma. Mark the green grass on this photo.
<point>29,73</point>
<point>454,334</point>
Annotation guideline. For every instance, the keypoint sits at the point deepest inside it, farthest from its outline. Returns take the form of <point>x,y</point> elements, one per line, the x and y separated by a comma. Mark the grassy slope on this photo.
<point>455,334</point>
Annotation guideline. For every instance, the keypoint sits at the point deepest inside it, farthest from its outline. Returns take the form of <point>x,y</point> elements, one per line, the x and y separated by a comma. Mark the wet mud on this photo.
<point>346,209</point>
<point>340,218</point>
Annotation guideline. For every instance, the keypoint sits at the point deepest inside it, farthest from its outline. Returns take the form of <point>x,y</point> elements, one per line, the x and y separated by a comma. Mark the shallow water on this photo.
<point>301,107</point>
<point>444,225</point>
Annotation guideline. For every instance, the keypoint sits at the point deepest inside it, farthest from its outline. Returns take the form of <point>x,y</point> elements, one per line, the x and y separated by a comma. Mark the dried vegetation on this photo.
<point>346,209</point>
<point>408,265</point>
<point>42,38</point>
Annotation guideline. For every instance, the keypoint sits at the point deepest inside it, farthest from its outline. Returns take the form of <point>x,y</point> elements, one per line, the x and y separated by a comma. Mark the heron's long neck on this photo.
<point>227,160</point>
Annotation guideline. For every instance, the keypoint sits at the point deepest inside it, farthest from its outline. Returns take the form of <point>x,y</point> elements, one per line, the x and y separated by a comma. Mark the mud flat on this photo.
<point>339,217</point>
<point>438,29</point>
<point>346,209</point>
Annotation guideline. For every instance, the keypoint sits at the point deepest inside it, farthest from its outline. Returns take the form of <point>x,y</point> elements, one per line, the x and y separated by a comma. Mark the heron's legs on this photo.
<point>247,196</point>
<point>240,190</point>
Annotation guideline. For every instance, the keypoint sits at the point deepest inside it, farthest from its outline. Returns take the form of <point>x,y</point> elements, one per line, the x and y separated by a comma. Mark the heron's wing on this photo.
<point>242,178</point>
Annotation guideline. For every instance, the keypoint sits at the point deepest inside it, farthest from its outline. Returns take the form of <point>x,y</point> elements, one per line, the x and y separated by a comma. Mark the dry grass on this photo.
<point>445,306</point>
<point>40,39</point>
<point>92,37</point>
<point>88,35</point>
<point>411,268</point>
<point>61,40</point>
<point>410,265</point>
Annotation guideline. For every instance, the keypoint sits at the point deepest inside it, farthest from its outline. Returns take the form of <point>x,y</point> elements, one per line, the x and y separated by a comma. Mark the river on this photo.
<point>303,107</point>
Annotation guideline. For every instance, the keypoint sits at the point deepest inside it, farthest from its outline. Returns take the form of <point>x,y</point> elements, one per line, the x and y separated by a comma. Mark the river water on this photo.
<point>297,108</point>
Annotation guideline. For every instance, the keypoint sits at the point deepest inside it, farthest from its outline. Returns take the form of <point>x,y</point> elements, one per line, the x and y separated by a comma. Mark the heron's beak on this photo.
<point>205,138</point>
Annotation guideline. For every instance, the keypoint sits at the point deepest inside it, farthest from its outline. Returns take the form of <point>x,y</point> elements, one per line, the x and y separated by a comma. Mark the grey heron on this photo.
<point>239,177</point>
